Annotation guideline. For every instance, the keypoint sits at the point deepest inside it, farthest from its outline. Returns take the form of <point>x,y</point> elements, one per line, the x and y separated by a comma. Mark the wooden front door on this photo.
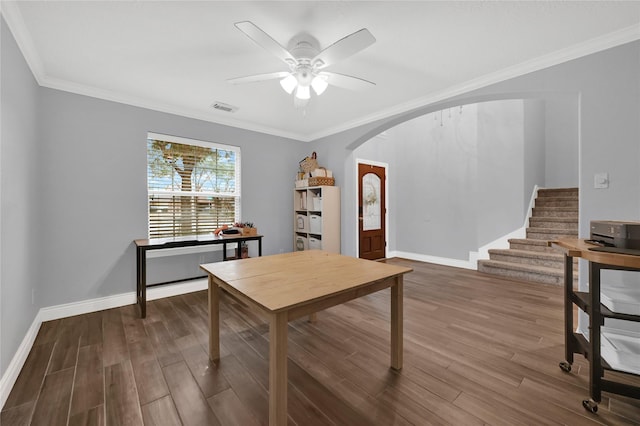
<point>371,212</point>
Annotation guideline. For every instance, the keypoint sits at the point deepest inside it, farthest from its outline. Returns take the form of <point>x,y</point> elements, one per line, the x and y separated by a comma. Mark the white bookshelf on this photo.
<point>316,218</point>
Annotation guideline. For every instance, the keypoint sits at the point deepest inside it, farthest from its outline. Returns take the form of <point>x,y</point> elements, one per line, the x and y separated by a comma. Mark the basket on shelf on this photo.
<point>309,164</point>
<point>321,177</point>
<point>321,181</point>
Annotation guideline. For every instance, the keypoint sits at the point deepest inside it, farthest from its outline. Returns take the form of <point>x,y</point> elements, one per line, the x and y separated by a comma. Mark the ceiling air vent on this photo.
<point>224,107</point>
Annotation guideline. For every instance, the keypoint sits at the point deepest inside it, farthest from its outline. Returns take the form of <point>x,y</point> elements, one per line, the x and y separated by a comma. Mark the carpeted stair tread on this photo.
<point>552,192</point>
<point>557,202</point>
<point>522,267</point>
<point>528,253</point>
<point>530,257</point>
<point>568,223</point>
<point>551,233</point>
<point>564,219</point>
<point>530,244</point>
<point>551,211</point>
<point>522,271</point>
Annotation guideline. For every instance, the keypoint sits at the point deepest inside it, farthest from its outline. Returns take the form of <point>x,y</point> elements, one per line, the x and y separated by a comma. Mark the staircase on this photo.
<point>555,215</point>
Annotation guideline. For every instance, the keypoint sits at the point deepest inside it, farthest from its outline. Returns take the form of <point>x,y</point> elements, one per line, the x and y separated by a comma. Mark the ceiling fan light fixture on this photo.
<point>289,83</point>
<point>303,92</point>
<point>319,85</point>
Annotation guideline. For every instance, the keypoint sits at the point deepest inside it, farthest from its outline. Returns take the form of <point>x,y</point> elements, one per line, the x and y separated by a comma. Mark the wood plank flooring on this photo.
<point>479,350</point>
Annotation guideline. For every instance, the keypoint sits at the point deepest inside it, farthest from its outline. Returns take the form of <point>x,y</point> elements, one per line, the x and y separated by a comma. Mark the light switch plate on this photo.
<point>601,180</point>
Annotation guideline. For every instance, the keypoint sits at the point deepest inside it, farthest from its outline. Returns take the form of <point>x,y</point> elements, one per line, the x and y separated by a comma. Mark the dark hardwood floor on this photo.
<point>479,350</point>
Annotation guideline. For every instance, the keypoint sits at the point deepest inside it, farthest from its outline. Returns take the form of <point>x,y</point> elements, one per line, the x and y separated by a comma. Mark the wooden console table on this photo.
<point>287,286</point>
<point>145,245</point>
<point>589,302</point>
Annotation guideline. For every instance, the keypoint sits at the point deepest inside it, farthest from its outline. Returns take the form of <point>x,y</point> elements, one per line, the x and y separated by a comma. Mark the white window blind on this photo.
<point>193,186</point>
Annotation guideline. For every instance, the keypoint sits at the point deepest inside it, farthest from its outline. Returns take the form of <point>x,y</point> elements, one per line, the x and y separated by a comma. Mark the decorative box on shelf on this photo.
<point>249,231</point>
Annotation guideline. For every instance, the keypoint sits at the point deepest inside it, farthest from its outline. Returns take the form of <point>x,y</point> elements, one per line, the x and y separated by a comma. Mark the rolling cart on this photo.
<point>590,302</point>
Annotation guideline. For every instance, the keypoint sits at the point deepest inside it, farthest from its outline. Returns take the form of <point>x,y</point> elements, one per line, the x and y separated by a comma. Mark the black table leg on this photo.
<point>141,280</point>
<point>595,321</point>
<point>568,310</point>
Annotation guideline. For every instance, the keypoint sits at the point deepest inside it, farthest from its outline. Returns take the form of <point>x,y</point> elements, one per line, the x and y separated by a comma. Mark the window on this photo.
<point>193,186</point>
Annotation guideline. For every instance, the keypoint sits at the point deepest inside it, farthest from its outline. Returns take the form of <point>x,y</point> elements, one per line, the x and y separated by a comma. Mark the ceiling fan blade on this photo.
<point>343,48</point>
<point>258,77</point>
<point>265,41</point>
<point>347,81</point>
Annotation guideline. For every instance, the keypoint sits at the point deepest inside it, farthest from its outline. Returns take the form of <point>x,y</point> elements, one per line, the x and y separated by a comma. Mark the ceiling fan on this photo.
<point>307,62</point>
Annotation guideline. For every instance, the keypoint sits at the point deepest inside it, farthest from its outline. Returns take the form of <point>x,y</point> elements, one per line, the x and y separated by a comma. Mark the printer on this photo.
<point>615,233</point>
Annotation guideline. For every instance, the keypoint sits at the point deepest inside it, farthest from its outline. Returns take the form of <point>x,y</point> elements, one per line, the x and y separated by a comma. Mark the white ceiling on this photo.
<point>176,56</point>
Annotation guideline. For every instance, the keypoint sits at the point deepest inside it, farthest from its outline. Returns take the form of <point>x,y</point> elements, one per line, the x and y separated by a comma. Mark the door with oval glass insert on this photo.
<point>371,212</point>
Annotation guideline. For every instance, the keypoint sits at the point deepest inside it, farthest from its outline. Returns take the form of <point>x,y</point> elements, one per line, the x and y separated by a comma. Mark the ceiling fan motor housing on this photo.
<point>304,46</point>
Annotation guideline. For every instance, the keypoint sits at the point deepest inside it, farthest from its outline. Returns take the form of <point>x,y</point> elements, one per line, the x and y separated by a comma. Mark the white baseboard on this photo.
<point>10,376</point>
<point>466,264</point>
<point>501,243</point>
<point>13,369</point>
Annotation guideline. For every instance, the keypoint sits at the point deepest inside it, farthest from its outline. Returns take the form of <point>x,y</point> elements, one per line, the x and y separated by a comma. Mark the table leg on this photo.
<point>568,310</point>
<point>141,280</point>
<point>595,321</point>
<point>278,369</point>
<point>214,320</point>
<point>396,323</point>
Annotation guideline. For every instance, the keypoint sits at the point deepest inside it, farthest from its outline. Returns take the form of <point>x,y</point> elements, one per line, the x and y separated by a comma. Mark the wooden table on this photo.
<point>589,302</point>
<point>292,285</point>
<point>145,245</point>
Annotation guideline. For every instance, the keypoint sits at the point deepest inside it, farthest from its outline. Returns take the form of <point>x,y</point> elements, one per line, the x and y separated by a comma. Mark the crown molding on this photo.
<point>595,45</point>
<point>16,24</point>
<point>109,95</point>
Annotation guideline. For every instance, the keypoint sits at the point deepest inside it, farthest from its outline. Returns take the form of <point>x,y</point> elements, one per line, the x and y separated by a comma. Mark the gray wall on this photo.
<point>501,169</point>
<point>435,179</point>
<point>606,89</point>
<point>561,141</point>
<point>607,86</point>
<point>73,194</point>
<point>94,152</point>
<point>19,197</point>
<point>459,178</point>
<point>535,149</point>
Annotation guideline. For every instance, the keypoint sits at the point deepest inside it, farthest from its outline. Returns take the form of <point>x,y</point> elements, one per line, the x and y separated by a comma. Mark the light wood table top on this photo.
<point>576,247</point>
<point>286,281</point>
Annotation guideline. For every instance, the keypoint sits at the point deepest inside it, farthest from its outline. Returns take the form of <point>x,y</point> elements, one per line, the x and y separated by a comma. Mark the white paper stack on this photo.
<point>621,349</point>
<point>621,300</point>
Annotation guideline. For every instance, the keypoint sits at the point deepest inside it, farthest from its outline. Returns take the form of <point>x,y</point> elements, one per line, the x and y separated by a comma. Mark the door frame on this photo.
<point>355,222</point>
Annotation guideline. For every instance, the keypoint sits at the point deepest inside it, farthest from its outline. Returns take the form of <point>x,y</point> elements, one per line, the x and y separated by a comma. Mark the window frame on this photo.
<point>236,194</point>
